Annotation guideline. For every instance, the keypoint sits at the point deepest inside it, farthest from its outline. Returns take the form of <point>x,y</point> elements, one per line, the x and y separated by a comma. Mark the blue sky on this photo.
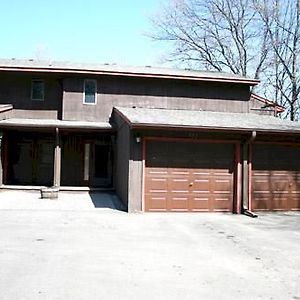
<point>98,31</point>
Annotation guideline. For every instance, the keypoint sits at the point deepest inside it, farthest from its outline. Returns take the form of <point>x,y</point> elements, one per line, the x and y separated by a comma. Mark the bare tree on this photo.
<point>221,35</point>
<point>257,38</point>
<point>282,22</point>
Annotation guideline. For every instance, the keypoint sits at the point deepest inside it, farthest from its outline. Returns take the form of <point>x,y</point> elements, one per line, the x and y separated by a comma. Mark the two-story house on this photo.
<point>163,139</point>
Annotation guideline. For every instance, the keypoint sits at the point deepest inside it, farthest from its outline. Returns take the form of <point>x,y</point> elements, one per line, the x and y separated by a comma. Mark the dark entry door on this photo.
<point>101,165</point>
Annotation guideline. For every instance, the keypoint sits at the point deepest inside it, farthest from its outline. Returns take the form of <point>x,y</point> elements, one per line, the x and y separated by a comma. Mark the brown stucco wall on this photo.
<point>135,180</point>
<point>122,156</point>
<point>15,89</point>
<point>150,93</point>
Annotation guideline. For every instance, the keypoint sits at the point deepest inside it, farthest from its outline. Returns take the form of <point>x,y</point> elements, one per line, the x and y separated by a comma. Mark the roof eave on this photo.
<point>279,108</point>
<point>208,128</point>
<point>129,74</point>
<point>53,126</point>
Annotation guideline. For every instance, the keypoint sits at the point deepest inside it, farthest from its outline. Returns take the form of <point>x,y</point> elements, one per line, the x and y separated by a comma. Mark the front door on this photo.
<point>86,161</point>
<point>100,165</point>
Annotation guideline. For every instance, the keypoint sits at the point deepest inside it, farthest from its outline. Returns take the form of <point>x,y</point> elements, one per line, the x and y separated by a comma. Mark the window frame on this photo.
<point>84,83</point>
<point>31,91</point>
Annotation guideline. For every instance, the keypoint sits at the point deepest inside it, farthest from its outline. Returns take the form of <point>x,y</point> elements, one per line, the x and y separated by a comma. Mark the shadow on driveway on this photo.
<point>106,200</point>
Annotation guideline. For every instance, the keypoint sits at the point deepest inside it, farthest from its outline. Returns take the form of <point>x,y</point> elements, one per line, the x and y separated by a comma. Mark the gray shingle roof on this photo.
<point>48,123</point>
<point>113,69</point>
<point>144,117</point>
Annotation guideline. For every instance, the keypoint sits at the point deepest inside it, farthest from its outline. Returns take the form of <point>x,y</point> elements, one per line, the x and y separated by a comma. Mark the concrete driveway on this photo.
<point>60,253</point>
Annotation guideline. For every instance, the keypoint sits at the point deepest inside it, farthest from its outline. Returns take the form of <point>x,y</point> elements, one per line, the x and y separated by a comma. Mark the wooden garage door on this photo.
<point>275,177</point>
<point>182,176</point>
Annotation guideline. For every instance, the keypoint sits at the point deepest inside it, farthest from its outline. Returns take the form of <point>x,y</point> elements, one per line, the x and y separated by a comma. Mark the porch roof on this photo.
<point>50,123</point>
<point>206,120</point>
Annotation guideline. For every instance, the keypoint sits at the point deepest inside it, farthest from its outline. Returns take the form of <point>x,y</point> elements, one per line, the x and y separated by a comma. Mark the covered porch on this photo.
<point>63,154</point>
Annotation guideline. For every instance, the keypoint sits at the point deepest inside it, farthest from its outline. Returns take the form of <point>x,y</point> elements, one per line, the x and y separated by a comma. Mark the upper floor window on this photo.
<point>90,91</point>
<point>37,90</point>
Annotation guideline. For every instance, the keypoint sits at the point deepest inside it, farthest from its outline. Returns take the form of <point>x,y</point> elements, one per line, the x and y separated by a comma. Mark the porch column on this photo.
<point>57,160</point>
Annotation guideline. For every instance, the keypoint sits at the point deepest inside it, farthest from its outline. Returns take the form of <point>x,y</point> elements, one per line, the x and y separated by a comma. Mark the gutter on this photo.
<point>208,128</point>
<point>4,124</point>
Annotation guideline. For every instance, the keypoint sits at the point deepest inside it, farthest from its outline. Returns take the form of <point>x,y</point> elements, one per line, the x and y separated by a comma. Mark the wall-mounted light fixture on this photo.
<point>138,139</point>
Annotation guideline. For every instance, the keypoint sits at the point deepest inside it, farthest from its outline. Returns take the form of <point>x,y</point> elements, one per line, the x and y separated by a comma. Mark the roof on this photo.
<point>32,65</point>
<point>268,102</point>
<point>48,123</point>
<point>165,118</point>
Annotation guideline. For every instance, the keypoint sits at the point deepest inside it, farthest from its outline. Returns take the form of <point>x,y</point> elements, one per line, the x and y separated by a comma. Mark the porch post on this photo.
<point>57,160</point>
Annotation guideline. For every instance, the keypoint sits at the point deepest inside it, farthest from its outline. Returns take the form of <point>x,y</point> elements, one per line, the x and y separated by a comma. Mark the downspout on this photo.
<point>247,210</point>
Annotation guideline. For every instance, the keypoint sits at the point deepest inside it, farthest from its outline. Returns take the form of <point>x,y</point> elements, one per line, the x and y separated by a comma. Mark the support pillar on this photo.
<point>238,192</point>
<point>245,176</point>
<point>57,160</point>
<point>247,172</point>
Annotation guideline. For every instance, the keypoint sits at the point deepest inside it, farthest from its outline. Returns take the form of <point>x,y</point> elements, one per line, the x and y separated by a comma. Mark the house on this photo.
<point>163,139</point>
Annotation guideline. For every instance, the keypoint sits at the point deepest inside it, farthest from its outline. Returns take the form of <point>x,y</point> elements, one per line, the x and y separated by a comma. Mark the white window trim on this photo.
<point>31,90</point>
<point>96,89</point>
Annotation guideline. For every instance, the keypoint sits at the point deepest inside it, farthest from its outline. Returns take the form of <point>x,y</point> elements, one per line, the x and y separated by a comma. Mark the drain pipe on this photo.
<point>246,211</point>
<point>249,213</point>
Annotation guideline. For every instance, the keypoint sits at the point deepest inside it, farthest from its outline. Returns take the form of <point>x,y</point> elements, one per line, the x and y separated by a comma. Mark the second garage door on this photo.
<point>275,177</point>
<point>189,176</point>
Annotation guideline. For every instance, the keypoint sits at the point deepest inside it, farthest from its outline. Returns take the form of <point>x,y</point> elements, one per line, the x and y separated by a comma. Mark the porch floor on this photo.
<point>61,188</point>
<point>67,200</point>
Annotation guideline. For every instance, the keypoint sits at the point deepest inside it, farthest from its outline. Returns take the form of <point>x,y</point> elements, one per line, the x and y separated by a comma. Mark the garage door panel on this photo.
<point>179,202</point>
<point>275,176</point>
<point>156,202</point>
<point>200,202</point>
<point>280,202</point>
<point>156,184</point>
<point>221,186</point>
<point>222,201</point>
<point>295,201</point>
<point>193,171</point>
<point>262,203</point>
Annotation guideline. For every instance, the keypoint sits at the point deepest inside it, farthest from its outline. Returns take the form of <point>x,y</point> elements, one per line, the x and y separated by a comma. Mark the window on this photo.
<point>37,90</point>
<point>90,90</point>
